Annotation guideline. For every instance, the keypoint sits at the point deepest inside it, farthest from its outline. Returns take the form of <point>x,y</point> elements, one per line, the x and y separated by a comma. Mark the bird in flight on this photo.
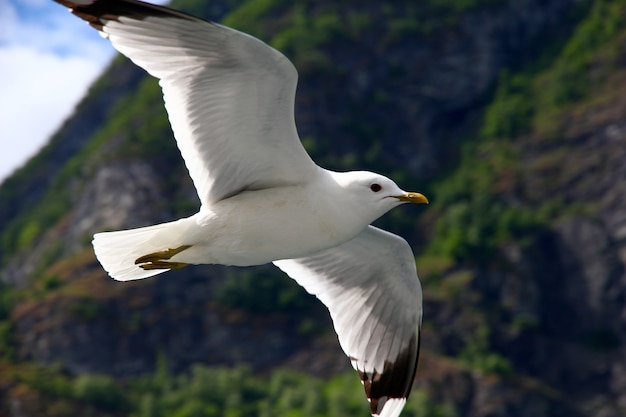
<point>230,101</point>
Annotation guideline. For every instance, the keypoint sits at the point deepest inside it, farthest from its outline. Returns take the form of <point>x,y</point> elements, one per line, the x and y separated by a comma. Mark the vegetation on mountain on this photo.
<point>203,392</point>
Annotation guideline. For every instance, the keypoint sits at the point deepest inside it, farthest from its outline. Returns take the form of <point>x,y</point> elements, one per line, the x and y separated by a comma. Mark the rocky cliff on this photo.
<point>510,115</point>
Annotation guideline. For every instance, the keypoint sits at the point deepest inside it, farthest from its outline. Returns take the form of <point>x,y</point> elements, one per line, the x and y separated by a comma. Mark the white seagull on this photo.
<point>230,101</point>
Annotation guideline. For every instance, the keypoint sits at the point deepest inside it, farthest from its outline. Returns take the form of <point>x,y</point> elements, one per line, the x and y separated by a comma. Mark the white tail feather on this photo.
<point>117,251</point>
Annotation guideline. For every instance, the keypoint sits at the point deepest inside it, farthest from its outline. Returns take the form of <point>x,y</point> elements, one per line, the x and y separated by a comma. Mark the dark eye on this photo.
<point>375,187</point>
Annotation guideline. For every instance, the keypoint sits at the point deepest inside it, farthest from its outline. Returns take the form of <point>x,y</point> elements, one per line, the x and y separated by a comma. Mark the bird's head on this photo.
<point>375,194</point>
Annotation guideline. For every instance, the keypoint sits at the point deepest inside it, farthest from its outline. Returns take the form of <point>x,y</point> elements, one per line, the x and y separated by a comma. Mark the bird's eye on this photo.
<point>375,187</point>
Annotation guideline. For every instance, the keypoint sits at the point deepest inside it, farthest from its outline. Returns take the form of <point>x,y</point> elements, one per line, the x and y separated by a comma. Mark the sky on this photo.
<point>48,60</point>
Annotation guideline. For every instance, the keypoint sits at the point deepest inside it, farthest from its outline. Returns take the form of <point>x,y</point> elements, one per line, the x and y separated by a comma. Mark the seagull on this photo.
<point>230,101</point>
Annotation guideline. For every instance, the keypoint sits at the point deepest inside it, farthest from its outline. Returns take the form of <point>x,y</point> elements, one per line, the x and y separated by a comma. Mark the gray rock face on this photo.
<point>121,328</point>
<point>569,284</point>
<point>120,196</point>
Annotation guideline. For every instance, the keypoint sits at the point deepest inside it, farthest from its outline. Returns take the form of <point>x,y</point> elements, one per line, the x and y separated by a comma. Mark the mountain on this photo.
<point>510,115</point>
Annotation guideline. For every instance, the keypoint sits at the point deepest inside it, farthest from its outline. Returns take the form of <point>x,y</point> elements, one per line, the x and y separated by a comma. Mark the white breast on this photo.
<point>257,227</point>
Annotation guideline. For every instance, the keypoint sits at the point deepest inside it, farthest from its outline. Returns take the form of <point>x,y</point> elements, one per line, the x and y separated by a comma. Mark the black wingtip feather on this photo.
<point>97,12</point>
<point>396,379</point>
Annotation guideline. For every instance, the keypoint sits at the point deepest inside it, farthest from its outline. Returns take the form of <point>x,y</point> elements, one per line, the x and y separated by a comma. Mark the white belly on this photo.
<point>258,227</point>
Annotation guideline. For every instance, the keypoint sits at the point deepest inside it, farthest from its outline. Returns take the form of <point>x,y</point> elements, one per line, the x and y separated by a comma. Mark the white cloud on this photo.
<point>42,92</point>
<point>48,59</point>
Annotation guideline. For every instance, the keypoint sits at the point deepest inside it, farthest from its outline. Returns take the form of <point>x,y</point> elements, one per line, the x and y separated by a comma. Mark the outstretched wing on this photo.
<point>229,96</point>
<point>371,289</point>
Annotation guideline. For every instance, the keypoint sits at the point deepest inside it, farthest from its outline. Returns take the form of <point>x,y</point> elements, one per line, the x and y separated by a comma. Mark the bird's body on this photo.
<point>243,227</point>
<point>230,100</point>
<point>242,230</point>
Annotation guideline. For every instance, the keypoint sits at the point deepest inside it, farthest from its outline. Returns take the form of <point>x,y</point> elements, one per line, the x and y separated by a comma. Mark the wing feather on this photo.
<point>371,289</point>
<point>229,96</point>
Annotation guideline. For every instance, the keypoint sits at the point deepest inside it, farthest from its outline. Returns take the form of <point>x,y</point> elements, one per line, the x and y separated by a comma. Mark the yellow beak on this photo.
<point>416,198</point>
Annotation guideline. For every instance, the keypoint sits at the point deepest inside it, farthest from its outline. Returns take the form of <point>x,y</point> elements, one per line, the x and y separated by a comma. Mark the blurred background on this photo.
<point>510,115</point>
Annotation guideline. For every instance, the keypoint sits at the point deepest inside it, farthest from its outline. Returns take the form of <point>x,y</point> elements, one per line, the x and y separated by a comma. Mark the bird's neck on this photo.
<point>347,205</point>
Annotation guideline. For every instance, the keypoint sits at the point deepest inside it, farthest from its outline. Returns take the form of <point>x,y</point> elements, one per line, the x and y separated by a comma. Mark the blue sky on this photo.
<point>48,60</point>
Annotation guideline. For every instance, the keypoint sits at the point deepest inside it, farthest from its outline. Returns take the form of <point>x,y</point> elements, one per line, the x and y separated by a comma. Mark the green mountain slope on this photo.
<point>509,115</point>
